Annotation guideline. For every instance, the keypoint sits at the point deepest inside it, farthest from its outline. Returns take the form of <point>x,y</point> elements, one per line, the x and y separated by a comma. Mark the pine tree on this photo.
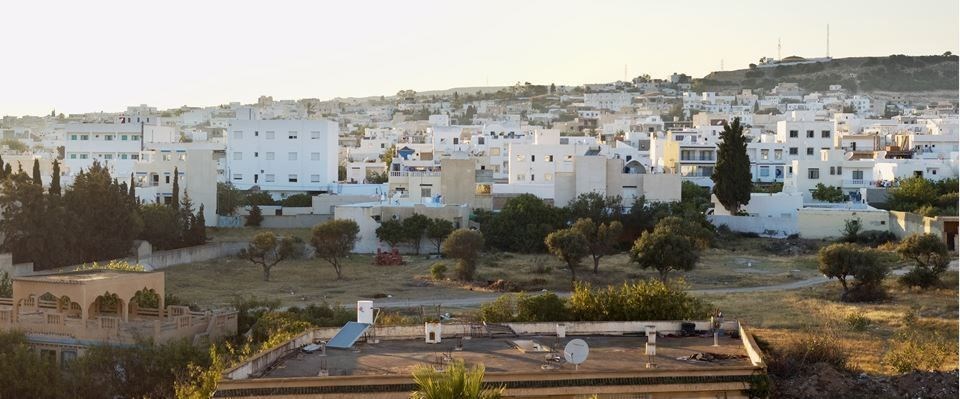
<point>175,199</point>
<point>731,177</point>
<point>55,179</point>
<point>186,219</point>
<point>255,217</point>
<point>36,173</point>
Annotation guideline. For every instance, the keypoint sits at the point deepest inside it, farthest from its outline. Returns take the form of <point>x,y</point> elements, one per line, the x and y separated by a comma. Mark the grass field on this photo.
<point>866,330</point>
<point>300,282</point>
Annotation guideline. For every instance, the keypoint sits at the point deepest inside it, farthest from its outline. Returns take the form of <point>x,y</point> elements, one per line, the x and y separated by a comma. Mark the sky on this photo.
<point>95,56</point>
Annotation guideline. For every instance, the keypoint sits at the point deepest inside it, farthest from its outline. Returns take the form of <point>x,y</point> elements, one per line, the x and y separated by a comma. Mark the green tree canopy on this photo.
<point>664,249</point>
<point>732,182</point>
<point>464,245</point>
<point>333,240</point>
<point>570,246</point>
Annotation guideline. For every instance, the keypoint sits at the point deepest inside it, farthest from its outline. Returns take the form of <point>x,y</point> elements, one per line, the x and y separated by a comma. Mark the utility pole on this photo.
<point>779,44</point>
<point>828,40</point>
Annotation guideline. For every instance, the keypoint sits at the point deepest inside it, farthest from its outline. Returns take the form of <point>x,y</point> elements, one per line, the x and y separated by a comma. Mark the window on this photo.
<point>813,173</point>
<point>73,156</point>
<point>67,357</point>
<point>832,171</point>
<point>167,178</point>
<point>84,137</point>
<point>857,175</point>
<point>794,151</point>
<point>237,176</point>
<point>135,137</point>
<point>314,156</point>
<point>271,135</point>
<point>825,134</point>
<point>292,178</point>
<point>166,156</point>
<point>107,156</point>
<point>777,154</point>
<point>314,135</point>
<point>123,156</point>
<point>238,135</point>
<point>315,178</point>
<point>839,170</point>
<point>809,150</point>
<point>269,178</point>
<point>794,134</point>
<point>84,156</point>
<point>425,191</point>
<point>764,171</point>
<point>238,156</point>
<point>292,156</point>
<point>292,135</point>
<point>73,137</point>
<point>108,137</point>
<point>764,154</point>
<point>533,158</point>
<point>269,156</point>
<point>548,177</point>
<point>548,158</point>
<point>123,137</point>
<point>809,134</point>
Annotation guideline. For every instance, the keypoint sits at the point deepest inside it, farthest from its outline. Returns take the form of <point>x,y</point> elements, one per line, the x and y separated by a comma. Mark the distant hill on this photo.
<point>896,73</point>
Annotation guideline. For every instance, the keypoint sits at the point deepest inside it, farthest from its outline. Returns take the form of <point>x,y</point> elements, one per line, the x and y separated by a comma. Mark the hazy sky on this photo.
<point>85,56</point>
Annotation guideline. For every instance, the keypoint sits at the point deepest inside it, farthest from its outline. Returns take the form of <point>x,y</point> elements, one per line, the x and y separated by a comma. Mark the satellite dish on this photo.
<point>576,351</point>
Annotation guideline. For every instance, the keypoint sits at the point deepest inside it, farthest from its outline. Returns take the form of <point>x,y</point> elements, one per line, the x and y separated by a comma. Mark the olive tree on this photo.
<point>664,249</point>
<point>859,270</point>
<point>438,231</point>
<point>570,246</point>
<point>464,245</point>
<point>601,238</point>
<point>267,250</point>
<point>930,257</point>
<point>333,240</point>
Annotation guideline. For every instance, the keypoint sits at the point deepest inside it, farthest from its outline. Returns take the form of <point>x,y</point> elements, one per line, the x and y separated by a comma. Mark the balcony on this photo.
<point>414,174</point>
<point>697,159</point>
<point>854,183</point>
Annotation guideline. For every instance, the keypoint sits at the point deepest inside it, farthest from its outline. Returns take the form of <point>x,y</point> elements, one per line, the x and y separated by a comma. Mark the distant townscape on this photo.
<point>298,247</point>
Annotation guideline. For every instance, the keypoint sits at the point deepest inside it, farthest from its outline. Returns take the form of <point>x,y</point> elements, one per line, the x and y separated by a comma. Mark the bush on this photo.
<point>792,358</point>
<point>501,310</point>
<point>255,217</point>
<point>864,265</point>
<point>298,200</point>
<point>930,256</point>
<point>437,271</point>
<point>876,238</point>
<point>917,350</point>
<point>642,300</point>
<point>857,321</point>
<point>543,307</point>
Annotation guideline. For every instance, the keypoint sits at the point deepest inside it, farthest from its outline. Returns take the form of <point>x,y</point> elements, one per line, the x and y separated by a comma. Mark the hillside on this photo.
<point>896,75</point>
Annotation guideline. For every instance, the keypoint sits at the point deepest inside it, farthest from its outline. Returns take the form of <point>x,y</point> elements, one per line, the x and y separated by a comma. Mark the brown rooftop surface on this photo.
<point>607,354</point>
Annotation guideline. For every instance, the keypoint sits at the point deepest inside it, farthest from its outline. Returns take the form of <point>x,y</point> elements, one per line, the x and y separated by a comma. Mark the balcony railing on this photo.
<point>854,183</point>
<point>413,174</point>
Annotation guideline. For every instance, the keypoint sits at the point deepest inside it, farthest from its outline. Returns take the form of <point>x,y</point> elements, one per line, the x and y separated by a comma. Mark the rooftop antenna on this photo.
<point>778,48</point>
<point>828,40</point>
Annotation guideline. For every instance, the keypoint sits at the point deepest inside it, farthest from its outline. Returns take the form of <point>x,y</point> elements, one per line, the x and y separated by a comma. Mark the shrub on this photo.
<point>917,350</point>
<point>810,348</point>
<point>543,307</point>
<point>298,200</point>
<point>255,217</point>
<point>864,265</point>
<point>437,270</point>
<point>501,310</point>
<point>857,321</point>
<point>642,300</point>
<point>876,238</point>
<point>930,257</point>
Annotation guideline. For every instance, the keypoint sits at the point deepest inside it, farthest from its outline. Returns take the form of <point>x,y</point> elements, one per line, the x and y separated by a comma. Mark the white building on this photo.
<point>282,155</point>
<point>115,145</point>
<point>608,101</point>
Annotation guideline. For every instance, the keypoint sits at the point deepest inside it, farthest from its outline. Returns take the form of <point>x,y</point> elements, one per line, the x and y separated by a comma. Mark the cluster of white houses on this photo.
<point>612,142</point>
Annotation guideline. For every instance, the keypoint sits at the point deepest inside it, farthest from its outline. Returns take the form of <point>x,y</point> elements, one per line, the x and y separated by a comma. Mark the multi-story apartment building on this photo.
<point>198,167</point>
<point>282,156</point>
<point>115,145</point>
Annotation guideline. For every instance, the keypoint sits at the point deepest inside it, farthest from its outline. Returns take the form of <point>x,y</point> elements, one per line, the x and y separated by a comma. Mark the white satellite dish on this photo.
<point>576,352</point>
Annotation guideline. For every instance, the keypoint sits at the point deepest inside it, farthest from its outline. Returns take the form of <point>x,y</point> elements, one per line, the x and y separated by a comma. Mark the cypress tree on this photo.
<point>200,227</point>
<point>55,179</point>
<point>731,177</point>
<point>7,170</point>
<point>175,199</point>
<point>3,174</point>
<point>133,190</point>
<point>36,172</point>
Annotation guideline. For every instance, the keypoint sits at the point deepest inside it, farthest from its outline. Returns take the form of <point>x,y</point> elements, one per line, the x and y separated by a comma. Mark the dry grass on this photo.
<point>300,282</point>
<point>246,233</point>
<point>782,316</point>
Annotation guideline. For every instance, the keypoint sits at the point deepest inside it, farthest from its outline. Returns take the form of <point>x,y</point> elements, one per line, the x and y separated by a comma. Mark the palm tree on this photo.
<point>455,382</point>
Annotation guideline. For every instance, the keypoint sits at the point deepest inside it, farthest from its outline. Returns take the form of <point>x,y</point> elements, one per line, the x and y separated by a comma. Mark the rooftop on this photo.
<point>86,276</point>
<point>500,355</point>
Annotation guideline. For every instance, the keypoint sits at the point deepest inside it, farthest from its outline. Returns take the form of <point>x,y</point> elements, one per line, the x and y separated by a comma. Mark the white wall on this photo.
<point>309,157</point>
